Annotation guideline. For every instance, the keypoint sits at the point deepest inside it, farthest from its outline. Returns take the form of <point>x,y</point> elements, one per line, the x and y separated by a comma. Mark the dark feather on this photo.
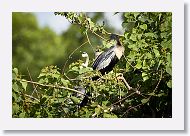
<point>105,61</point>
<point>85,100</point>
<point>101,56</point>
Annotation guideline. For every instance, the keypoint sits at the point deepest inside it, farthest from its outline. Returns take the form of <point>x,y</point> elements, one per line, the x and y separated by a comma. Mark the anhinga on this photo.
<point>106,61</point>
<point>80,88</point>
<point>85,55</point>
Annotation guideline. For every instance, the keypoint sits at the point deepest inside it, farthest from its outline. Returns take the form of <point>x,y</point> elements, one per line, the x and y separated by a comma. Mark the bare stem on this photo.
<point>53,86</point>
<point>131,108</point>
<point>35,88</point>
<point>123,99</point>
<point>128,62</point>
<point>89,42</point>
<point>71,55</point>
<point>32,97</point>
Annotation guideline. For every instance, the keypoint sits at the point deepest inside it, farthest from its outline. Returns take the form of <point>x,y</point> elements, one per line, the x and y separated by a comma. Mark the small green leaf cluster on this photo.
<point>47,99</point>
<point>85,22</point>
<point>148,41</point>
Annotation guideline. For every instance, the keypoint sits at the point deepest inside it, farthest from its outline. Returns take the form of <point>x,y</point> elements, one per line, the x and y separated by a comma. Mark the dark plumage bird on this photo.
<point>107,60</point>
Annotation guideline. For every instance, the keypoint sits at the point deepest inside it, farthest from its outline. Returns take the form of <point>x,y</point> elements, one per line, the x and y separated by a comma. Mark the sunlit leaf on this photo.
<point>144,100</point>
<point>24,85</point>
<point>144,26</point>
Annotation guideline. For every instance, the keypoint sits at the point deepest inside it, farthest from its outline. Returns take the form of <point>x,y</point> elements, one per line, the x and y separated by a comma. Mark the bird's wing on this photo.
<point>106,60</point>
<point>102,57</point>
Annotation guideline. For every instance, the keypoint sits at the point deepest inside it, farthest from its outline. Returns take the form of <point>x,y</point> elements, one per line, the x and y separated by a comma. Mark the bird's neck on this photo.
<point>86,62</point>
<point>119,51</point>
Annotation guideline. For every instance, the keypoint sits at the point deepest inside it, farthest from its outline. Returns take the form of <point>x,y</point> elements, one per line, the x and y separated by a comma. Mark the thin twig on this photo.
<point>131,109</point>
<point>35,88</point>
<point>123,99</point>
<point>89,42</point>
<point>158,81</point>
<point>128,62</point>
<point>126,84</point>
<point>32,97</point>
<point>147,98</point>
<point>99,36</point>
<point>71,55</point>
<point>53,86</point>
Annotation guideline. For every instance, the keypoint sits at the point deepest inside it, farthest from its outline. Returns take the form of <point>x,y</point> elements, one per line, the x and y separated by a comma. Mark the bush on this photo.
<point>146,66</point>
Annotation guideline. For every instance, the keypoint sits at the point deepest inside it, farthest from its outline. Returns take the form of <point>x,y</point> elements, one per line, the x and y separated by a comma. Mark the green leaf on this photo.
<point>14,76</point>
<point>136,14</point>
<point>131,46</point>
<point>22,115</point>
<point>15,87</point>
<point>139,64</point>
<point>15,108</point>
<point>64,94</point>
<point>169,58</point>
<point>24,85</point>
<point>149,34</point>
<point>15,70</point>
<point>105,103</point>
<point>65,82</point>
<point>149,55</point>
<point>128,26</point>
<point>169,84</point>
<point>75,100</point>
<point>133,37</point>
<point>169,69</point>
<point>107,115</point>
<point>84,70</point>
<point>108,44</point>
<point>14,73</point>
<point>152,94</point>
<point>132,55</point>
<point>164,35</point>
<point>166,44</point>
<point>75,69</point>
<point>124,25</point>
<point>97,110</point>
<point>144,26</point>
<point>156,52</point>
<point>161,94</point>
<point>56,75</point>
<point>144,100</point>
<point>139,36</point>
<point>145,76</point>
<point>95,104</point>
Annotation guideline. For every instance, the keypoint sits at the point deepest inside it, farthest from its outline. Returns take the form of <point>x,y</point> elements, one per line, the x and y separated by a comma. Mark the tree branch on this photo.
<point>32,97</point>
<point>35,88</point>
<point>53,86</point>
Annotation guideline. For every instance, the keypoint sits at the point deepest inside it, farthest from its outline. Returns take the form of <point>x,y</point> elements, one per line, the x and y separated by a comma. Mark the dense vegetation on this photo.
<point>54,91</point>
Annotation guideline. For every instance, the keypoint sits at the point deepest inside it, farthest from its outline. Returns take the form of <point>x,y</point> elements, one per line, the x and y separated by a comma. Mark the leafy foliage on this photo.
<point>146,66</point>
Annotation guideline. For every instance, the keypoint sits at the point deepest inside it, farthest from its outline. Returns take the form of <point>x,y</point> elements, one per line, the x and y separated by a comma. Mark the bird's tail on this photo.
<point>85,100</point>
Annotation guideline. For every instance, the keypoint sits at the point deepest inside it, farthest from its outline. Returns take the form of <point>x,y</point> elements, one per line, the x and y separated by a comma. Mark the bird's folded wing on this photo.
<point>103,56</point>
<point>106,60</point>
